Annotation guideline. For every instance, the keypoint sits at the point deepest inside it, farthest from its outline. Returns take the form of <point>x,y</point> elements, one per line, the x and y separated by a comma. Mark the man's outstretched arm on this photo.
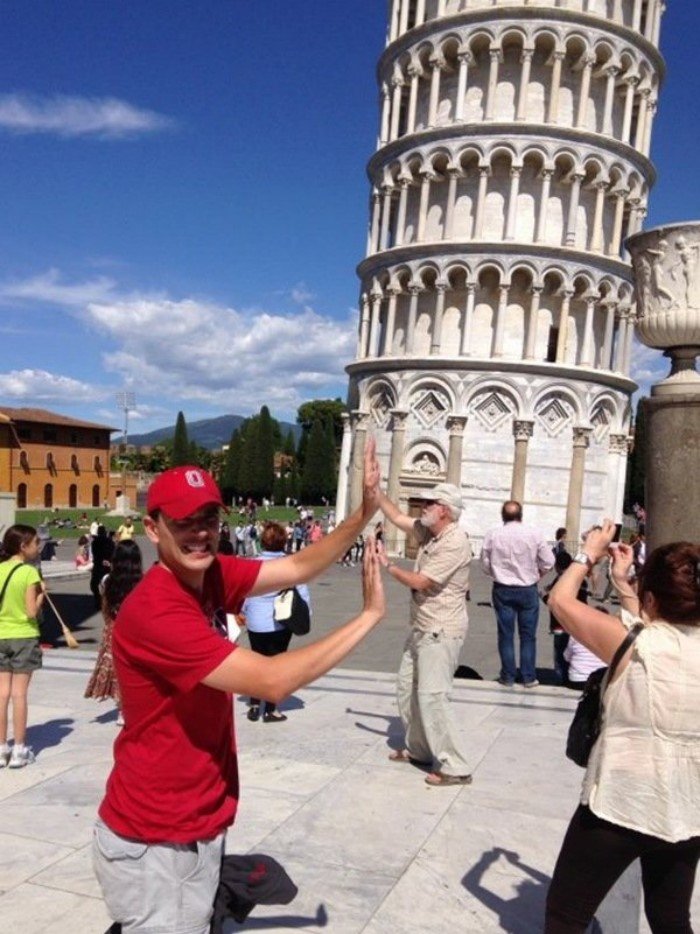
<point>245,672</point>
<point>394,514</point>
<point>312,560</point>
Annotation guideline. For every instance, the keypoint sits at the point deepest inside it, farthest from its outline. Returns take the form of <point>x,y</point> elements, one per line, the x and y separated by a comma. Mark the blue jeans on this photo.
<point>523,604</point>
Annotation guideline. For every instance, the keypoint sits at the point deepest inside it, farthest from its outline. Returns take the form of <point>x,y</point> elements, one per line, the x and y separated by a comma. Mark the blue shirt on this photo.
<point>259,610</point>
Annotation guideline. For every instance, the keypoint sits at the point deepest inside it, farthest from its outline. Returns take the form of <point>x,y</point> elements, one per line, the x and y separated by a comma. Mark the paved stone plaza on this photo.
<point>371,848</point>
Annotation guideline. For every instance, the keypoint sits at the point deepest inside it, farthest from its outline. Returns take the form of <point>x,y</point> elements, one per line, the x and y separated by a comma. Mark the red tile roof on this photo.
<point>48,418</point>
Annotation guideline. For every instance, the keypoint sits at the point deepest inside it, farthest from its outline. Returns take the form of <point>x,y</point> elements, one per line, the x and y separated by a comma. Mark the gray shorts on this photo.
<point>20,656</point>
<point>164,888</point>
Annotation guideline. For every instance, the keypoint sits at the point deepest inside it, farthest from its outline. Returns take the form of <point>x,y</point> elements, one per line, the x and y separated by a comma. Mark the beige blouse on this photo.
<point>644,770</point>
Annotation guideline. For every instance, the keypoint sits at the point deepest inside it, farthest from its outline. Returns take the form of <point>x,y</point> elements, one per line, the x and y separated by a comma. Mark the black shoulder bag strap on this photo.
<point>7,581</point>
<point>616,659</point>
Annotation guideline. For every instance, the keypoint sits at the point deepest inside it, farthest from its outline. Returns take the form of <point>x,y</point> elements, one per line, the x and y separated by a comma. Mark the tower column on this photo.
<point>465,60</point>
<point>541,234</point>
<point>584,90</point>
<point>374,229</point>
<point>573,502</point>
<point>512,202</point>
<point>412,99</point>
<point>630,87</point>
<point>500,321</point>
<point>555,85</point>
<point>390,321</point>
<point>364,326</point>
<point>563,325</point>
<point>611,76</point>
<point>596,245</point>
<point>398,441</point>
<point>440,288</point>
<point>484,172</point>
<point>341,502</point>
<point>621,342</point>
<point>468,320</point>
<point>401,213</point>
<point>495,56</point>
<point>531,336</point>
<point>412,315</point>
<point>453,176</point>
<point>386,106</point>
<point>426,178</point>
<point>605,362</point>
<point>576,179</point>
<point>526,66</point>
<point>616,238</point>
<point>437,64</point>
<point>617,464</point>
<point>375,324</point>
<point>386,216</point>
<point>522,432</point>
<point>455,425</point>
<point>397,87</point>
<point>360,420</point>
<point>587,348</point>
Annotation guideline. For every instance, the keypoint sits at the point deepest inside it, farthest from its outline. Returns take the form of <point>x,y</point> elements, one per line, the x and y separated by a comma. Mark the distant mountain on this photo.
<point>210,433</point>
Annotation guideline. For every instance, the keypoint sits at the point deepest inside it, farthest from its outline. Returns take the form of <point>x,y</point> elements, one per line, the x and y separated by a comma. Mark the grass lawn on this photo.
<point>35,516</point>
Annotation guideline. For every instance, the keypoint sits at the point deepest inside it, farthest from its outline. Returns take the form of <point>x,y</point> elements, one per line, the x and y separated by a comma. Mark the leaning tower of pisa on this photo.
<point>496,303</point>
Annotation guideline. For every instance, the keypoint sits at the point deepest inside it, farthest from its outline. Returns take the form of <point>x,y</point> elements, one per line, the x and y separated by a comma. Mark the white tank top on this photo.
<point>644,770</point>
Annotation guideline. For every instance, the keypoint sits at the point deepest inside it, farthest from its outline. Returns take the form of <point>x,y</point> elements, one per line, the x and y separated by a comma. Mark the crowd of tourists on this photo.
<point>170,660</point>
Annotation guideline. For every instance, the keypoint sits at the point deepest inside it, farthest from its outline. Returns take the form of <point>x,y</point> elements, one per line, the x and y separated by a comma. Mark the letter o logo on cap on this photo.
<point>194,478</point>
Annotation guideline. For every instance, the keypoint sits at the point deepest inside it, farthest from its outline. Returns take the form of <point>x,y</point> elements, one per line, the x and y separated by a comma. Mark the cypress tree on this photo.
<point>314,478</point>
<point>331,460</point>
<point>264,475</point>
<point>181,453</point>
<point>229,480</point>
<point>636,468</point>
<point>248,463</point>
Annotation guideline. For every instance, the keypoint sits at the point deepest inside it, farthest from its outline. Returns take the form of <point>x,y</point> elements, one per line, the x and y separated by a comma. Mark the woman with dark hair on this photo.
<point>102,550</point>
<point>266,636</point>
<point>125,573</point>
<point>642,784</point>
<point>21,596</point>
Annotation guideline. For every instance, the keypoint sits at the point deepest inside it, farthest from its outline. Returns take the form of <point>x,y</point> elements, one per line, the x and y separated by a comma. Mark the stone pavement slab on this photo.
<point>371,847</point>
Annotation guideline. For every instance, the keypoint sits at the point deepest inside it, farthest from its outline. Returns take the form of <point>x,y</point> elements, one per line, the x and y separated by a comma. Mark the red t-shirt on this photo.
<point>175,774</point>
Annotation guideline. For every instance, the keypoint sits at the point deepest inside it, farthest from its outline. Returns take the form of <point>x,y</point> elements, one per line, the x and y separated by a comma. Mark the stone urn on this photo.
<point>666,262</point>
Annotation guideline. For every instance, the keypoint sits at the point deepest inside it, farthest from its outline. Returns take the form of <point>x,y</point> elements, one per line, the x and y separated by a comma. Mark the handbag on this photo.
<point>292,611</point>
<point>588,718</point>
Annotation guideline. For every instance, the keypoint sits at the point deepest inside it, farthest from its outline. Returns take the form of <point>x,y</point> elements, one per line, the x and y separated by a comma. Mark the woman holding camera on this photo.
<point>642,784</point>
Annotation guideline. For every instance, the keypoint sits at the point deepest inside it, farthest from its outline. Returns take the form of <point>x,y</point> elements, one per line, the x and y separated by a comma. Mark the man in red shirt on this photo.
<point>173,790</point>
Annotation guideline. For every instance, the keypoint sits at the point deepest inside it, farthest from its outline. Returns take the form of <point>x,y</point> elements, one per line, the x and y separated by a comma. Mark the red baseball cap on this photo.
<point>180,491</point>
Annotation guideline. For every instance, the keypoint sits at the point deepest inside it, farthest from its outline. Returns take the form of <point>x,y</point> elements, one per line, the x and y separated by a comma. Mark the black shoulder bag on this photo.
<point>292,611</point>
<point>588,718</point>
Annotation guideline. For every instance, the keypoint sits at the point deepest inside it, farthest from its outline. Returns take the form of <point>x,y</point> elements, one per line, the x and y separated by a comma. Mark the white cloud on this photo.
<point>38,386</point>
<point>61,115</point>
<point>301,294</point>
<point>232,360</point>
<point>47,287</point>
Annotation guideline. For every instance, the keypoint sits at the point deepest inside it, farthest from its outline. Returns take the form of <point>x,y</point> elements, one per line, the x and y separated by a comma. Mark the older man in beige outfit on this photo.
<point>438,618</point>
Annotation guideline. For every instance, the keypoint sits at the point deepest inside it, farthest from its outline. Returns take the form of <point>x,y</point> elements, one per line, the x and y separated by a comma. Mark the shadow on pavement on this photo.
<point>320,920</point>
<point>52,733</point>
<point>525,910</point>
<point>75,610</point>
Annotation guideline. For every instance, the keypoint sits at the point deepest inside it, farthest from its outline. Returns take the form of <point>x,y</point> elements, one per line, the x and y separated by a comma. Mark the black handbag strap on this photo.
<point>7,580</point>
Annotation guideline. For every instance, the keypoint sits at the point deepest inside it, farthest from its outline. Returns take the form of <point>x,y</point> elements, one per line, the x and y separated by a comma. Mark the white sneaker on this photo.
<point>4,755</point>
<point>21,755</point>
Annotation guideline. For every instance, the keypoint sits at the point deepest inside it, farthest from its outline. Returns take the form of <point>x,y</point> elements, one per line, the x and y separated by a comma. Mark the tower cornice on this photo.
<point>546,16</point>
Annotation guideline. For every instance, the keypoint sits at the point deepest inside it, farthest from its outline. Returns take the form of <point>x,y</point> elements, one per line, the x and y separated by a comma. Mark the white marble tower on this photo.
<point>496,301</point>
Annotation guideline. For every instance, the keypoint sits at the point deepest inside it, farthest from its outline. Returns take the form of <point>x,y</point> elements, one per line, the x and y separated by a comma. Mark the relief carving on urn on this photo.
<point>666,263</point>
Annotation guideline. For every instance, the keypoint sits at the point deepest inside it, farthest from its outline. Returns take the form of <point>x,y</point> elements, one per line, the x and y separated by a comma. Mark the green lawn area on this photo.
<point>35,516</point>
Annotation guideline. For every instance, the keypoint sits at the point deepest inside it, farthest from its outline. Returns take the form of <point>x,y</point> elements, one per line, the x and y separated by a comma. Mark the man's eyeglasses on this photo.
<point>208,521</point>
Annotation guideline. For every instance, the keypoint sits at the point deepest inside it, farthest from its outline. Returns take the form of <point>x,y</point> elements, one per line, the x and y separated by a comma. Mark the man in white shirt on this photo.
<point>516,556</point>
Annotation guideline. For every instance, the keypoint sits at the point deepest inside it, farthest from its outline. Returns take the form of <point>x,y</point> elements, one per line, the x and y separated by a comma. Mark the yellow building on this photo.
<point>49,460</point>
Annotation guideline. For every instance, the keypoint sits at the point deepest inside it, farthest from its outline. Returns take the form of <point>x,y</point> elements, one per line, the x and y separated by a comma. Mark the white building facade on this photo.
<point>496,310</point>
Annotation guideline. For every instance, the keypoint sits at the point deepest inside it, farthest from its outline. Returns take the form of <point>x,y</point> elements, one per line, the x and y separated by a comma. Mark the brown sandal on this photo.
<point>438,779</point>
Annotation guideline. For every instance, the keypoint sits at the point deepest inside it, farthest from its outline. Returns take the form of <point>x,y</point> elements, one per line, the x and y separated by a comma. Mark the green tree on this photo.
<point>319,466</point>
<point>229,477</point>
<point>264,474</point>
<point>322,409</point>
<point>332,458</point>
<point>249,445</point>
<point>636,466</point>
<point>181,453</point>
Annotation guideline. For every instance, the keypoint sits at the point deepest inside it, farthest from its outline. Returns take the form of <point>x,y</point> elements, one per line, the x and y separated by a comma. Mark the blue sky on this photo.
<point>184,198</point>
